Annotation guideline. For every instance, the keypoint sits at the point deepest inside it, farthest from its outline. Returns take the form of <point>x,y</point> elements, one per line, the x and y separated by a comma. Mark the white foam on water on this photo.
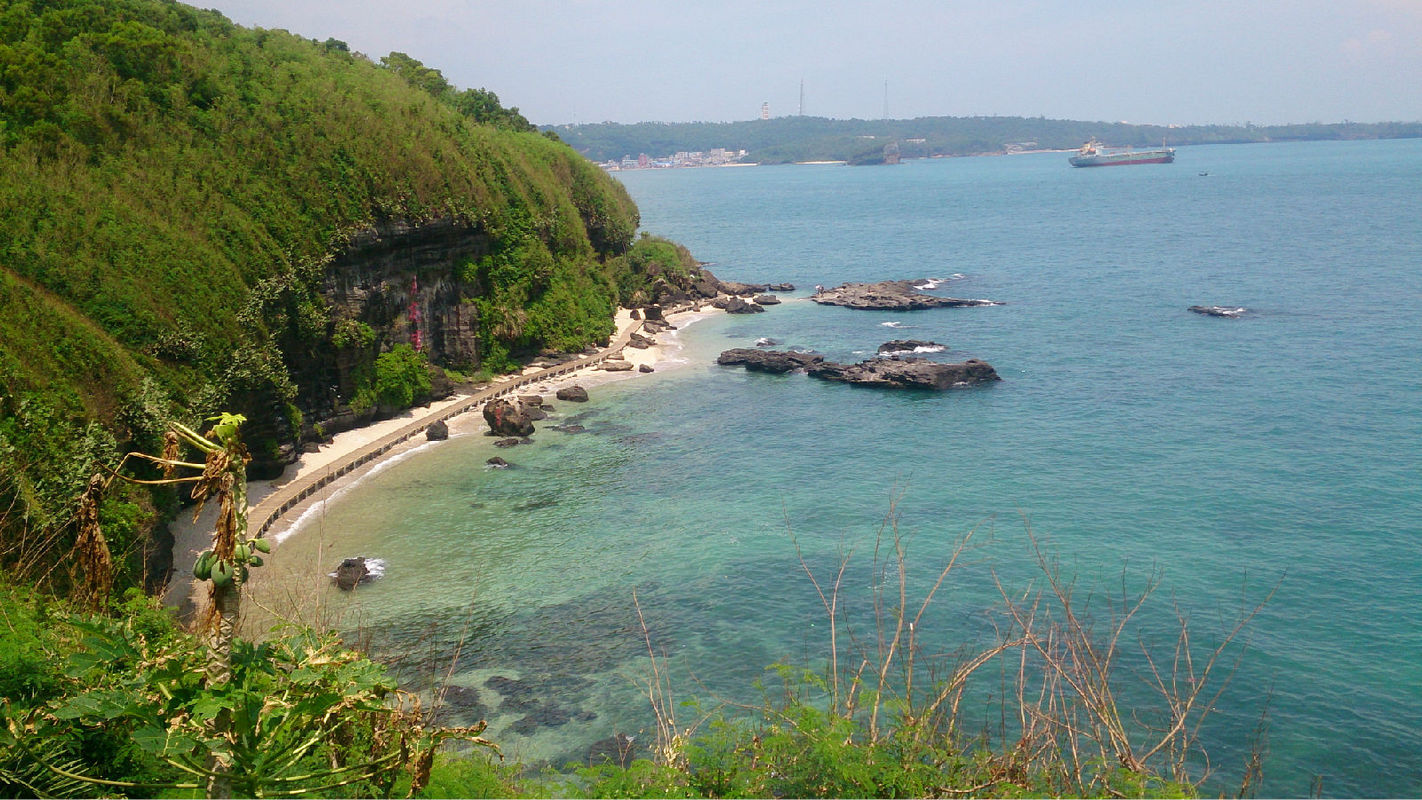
<point>319,506</point>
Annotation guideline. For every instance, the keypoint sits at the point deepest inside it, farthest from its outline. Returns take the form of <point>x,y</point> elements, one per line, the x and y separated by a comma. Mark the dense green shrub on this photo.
<point>401,375</point>
<point>174,187</point>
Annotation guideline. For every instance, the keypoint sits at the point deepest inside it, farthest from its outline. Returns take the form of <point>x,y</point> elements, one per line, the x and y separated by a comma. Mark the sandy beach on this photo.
<point>191,537</point>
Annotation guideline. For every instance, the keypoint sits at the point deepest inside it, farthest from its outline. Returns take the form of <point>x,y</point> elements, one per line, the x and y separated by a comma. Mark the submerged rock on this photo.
<point>619,749</point>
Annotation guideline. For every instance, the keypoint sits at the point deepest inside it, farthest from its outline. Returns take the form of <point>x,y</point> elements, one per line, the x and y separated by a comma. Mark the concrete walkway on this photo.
<point>270,509</point>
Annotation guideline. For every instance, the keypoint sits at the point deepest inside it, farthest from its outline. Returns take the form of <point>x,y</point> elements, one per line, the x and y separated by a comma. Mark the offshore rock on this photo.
<point>908,373</point>
<point>506,418</point>
<point>498,463</point>
<point>890,296</point>
<point>911,346</point>
<point>351,572</point>
<point>774,361</point>
<point>767,300</point>
<point>1233,312</point>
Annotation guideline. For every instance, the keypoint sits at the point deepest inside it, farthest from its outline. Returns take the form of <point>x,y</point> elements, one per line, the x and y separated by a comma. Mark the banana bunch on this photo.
<point>222,572</point>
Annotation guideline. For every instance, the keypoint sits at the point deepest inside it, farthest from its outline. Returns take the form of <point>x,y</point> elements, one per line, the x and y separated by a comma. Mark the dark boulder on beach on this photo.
<point>890,296</point>
<point>776,361</point>
<point>351,572</point>
<point>644,368</point>
<point>573,394</point>
<point>616,365</point>
<point>739,305</point>
<point>908,373</point>
<point>1233,312</point>
<point>506,418</point>
<point>767,300</point>
<point>437,431</point>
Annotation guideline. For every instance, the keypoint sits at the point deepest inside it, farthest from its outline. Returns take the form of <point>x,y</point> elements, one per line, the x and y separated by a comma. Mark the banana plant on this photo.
<point>225,566</point>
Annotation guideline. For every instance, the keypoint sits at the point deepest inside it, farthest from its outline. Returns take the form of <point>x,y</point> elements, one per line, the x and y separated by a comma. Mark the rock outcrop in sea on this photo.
<point>910,346</point>
<point>908,373</point>
<point>1220,311</point>
<point>892,373</point>
<point>890,296</point>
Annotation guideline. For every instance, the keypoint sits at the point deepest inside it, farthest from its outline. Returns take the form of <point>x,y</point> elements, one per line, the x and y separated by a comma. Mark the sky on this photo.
<point>1159,62</point>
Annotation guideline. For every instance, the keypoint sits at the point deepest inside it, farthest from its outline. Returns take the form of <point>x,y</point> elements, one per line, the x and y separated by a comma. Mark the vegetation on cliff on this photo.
<point>179,195</point>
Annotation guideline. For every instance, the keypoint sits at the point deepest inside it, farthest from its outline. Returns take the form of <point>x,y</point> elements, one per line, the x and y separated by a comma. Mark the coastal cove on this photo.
<point>1129,434</point>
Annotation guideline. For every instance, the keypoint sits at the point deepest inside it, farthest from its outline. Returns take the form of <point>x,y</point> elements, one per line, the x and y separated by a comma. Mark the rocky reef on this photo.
<point>890,296</point>
<point>891,373</point>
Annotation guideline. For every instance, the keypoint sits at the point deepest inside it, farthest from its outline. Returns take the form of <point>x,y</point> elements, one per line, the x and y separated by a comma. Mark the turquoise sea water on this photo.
<point>1226,456</point>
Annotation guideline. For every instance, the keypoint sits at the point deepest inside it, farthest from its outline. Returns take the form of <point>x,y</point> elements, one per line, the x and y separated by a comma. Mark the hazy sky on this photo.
<point>1164,61</point>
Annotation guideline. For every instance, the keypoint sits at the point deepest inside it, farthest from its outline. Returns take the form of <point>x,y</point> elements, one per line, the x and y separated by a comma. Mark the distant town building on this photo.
<point>716,157</point>
<point>765,110</point>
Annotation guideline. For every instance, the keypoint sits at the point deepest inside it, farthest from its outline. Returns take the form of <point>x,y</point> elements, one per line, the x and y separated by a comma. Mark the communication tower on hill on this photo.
<point>765,110</point>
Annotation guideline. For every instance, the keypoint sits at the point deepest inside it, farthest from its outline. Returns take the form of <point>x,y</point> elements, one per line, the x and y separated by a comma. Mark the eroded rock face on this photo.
<point>776,361</point>
<point>890,296</point>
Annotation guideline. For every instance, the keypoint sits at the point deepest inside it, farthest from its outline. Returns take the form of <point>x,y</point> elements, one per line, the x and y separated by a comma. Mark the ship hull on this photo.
<point>1124,159</point>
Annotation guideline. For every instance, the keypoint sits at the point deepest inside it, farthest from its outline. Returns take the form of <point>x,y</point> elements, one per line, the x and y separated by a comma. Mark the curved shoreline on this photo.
<point>276,501</point>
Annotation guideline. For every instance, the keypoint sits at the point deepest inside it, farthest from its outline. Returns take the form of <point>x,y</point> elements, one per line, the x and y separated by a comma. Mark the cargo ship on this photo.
<point>1092,154</point>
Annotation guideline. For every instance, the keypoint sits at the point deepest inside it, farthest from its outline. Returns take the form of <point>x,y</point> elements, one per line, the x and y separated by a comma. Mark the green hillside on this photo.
<point>198,217</point>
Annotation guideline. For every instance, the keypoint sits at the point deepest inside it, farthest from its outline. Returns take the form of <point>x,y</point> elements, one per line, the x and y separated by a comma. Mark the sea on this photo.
<point>1264,469</point>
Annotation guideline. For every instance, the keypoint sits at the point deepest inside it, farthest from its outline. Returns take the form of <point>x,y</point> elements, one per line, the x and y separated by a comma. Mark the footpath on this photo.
<point>270,509</point>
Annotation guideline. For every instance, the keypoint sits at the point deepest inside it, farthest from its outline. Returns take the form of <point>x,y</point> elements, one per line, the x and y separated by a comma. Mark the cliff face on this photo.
<point>392,283</point>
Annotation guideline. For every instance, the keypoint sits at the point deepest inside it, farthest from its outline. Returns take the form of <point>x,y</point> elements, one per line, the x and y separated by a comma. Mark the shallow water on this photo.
<point>1132,437</point>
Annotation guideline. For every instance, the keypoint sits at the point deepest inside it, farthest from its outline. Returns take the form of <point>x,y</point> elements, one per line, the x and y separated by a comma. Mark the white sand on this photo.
<point>191,537</point>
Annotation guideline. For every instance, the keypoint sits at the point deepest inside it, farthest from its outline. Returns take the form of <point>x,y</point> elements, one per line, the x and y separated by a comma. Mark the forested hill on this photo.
<point>197,217</point>
<point>789,139</point>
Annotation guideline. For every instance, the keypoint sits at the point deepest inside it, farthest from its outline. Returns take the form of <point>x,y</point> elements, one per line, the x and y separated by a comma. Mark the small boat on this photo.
<point>1093,154</point>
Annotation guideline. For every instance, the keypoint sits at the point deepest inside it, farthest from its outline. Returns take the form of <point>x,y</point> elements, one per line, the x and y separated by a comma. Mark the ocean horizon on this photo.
<point>1223,461</point>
